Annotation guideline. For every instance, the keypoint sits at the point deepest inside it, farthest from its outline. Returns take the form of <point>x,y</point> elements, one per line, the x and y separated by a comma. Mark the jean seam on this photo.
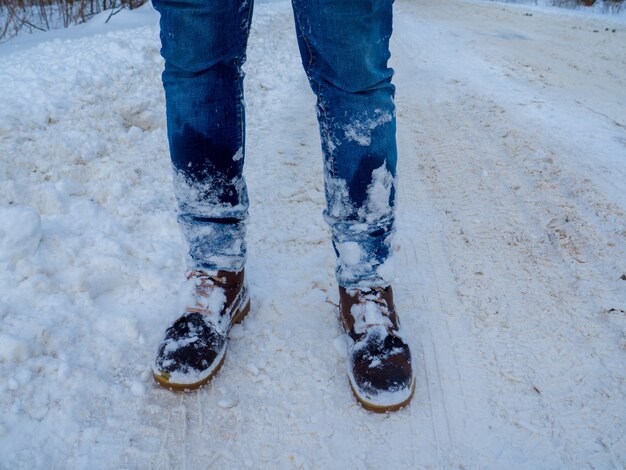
<point>308,71</point>
<point>296,14</point>
<point>324,117</point>
<point>244,23</point>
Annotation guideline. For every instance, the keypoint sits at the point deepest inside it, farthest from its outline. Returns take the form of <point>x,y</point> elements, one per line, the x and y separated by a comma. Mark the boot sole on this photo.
<point>376,408</point>
<point>163,379</point>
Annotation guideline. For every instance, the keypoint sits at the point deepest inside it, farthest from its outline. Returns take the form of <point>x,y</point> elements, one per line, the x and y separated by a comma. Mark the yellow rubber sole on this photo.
<point>382,408</point>
<point>163,379</point>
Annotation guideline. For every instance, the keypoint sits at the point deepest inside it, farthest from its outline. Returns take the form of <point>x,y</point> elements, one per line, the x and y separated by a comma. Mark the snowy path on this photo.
<point>510,251</point>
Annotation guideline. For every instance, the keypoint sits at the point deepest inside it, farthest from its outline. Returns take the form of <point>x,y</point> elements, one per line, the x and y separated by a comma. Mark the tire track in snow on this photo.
<point>457,426</point>
<point>557,276</point>
<point>467,170</point>
<point>161,457</point>
<point>434,298</point>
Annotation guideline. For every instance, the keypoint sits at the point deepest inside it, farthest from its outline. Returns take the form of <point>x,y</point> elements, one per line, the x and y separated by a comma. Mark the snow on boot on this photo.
<point>194,346</point>
<point>379,360</point>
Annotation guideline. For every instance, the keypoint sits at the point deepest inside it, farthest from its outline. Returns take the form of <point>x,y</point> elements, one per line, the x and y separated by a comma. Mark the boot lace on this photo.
<point>371,311</point>
<point>209,292</point>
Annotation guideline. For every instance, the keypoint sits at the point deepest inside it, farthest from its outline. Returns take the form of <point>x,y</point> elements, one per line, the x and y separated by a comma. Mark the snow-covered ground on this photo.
<point>511,253</point>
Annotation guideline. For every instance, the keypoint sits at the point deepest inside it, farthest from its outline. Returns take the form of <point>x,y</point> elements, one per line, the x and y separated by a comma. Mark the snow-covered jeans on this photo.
<point>344,45</point>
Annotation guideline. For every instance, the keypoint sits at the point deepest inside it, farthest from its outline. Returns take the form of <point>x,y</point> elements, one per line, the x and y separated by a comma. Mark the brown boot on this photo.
<point>379,360</point>
<point>193,349</point>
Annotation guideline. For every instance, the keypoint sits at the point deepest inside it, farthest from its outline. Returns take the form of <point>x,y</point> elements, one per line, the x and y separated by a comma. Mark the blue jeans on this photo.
<point>344,45</point>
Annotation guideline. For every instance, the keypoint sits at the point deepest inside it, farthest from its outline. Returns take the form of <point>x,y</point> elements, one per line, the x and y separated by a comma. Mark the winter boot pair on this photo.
<point>380,366</point>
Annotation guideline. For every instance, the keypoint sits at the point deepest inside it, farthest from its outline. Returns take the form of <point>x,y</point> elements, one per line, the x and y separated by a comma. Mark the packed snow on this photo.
<point>20,232</point>
<point>510,254</point>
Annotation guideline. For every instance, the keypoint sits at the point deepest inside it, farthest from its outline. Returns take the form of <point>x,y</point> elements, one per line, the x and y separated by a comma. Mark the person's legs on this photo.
<point>345,48</point>
<point>204,46</point>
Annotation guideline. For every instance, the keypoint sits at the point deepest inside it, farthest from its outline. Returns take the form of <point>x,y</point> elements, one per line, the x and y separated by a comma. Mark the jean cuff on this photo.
<point>363,253</point>
<point>214,244</point>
